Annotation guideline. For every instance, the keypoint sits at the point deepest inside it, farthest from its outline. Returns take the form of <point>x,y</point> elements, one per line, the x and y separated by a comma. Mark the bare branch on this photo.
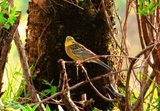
<point>129,73</point>
<point>94,88</point>
<point>33,93</point>
<point>63,85</point>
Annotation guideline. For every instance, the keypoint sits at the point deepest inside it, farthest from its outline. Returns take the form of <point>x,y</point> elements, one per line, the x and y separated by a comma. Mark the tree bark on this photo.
<point>49,22</point>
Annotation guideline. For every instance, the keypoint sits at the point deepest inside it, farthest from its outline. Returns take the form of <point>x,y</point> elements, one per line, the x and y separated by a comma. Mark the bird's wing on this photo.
<point>81,51</point>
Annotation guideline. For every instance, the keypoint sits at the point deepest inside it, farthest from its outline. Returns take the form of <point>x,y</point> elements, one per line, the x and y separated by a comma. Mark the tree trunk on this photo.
<point>49,22</point>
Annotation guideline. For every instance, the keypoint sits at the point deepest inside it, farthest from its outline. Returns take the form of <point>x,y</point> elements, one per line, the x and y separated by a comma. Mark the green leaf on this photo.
<point>47,90</point>
<point>29,107</point>
<point>22,107</point>
<point>53,89</point>
<point>11,21</point>
<point>95,109</point>
<point>140,75</point>
<point>146,7</point>
<point>4,4</point>
<point>48,108</point>
<point>8,20</point>
<point>35,107</point>
<point>7,26</point>
<point>158,89</point>
<point>46,82</point>
<point>12,16</point>
<point>17,73</point>
<point>4,12</point>
<point>2,19</point>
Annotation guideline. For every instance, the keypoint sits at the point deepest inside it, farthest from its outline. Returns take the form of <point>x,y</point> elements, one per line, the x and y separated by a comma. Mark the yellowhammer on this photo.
<point>77,51</point>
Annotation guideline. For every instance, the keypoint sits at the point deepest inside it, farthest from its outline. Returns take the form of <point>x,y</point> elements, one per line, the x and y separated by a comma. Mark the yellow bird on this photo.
<point>77,51</point>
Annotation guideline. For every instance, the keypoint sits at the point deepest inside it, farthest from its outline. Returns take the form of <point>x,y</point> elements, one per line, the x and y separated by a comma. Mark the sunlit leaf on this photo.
<point>48,108</point>
<point>7,26</point>
<point>35,107</point>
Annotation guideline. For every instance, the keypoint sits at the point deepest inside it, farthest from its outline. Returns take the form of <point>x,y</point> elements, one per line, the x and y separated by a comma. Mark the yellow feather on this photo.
<point>77,51</point>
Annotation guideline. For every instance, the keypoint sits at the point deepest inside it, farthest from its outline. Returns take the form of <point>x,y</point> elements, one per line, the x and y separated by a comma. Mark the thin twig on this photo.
<point>74,4</point>
<point>108,22</point>
<point>95,89</point>
<point>106,56</point>
<point>78,84</point>
<point>148,83</point>
<point>129,73</point>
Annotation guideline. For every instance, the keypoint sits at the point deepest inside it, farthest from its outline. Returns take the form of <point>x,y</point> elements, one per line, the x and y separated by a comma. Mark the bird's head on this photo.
<point>69,40</point>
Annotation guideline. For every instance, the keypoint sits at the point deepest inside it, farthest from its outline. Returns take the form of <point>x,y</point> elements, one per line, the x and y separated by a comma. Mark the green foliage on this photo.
<point>147,7</point>
<point>10,105</point>
<point>7,18</point>
<point>121,90</point>
<point>51,91</point>
<point>48,108</point>
<point>155,105</point>
<point>157,102</point>
<point>150,100</point>
<point>9,100</point>
<point>12,91</point>
<point>28,107</point>
<point>132,98</point>
<point>95,109</point>
<point>158,89</point>
<point>15,85</point>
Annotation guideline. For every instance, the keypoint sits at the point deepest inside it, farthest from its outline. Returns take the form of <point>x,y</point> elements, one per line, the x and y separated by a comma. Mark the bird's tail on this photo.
<point>104,65</point>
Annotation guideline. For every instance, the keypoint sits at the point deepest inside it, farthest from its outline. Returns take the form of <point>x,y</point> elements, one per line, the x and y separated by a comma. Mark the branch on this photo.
<point>74,4</point>
<point>128,108</point>
<point>33,93</point>
<point>6,37</point>
<point>95,89</point>
<point>78,84</point>
<point>144,90</point>
<point>63,85</point>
